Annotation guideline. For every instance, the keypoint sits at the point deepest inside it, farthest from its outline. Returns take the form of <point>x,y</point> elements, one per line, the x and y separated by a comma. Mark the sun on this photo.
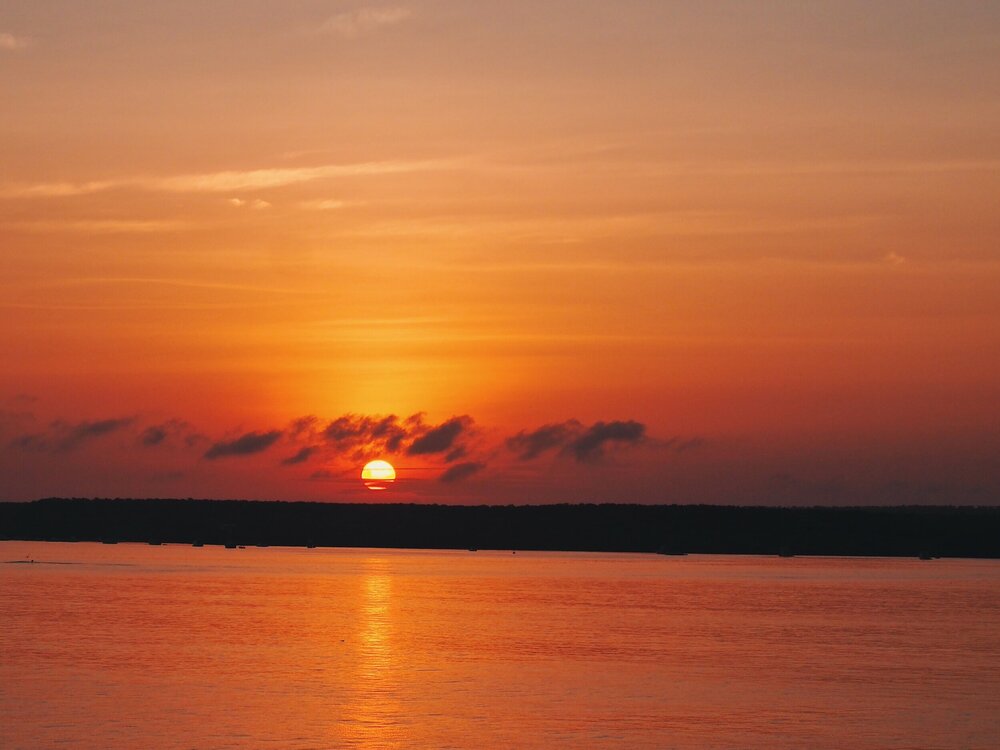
<point>378,475</point>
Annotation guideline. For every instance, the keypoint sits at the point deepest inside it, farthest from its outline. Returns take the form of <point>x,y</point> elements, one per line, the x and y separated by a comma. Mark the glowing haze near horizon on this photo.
<point>538,252</point>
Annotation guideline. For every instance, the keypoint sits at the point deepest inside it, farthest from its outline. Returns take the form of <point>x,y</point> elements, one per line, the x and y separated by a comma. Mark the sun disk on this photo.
<point>378,475</point>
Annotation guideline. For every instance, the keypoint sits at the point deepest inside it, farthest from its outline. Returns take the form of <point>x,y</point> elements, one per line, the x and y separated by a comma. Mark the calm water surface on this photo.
<point>134,646</point>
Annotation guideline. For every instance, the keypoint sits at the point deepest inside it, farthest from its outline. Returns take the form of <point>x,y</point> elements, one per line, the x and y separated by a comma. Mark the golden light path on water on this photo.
<point>373,717</point>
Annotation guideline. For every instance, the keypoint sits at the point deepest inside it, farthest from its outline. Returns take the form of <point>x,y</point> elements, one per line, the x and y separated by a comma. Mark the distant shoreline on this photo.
<point>885,531</point>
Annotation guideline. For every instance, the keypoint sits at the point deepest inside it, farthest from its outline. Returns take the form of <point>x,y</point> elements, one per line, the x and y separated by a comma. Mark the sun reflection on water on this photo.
<point>373,717</point>
<point>376,624</point>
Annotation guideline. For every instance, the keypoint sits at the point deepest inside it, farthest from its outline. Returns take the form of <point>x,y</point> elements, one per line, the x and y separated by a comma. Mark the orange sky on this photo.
<point>766,233</point>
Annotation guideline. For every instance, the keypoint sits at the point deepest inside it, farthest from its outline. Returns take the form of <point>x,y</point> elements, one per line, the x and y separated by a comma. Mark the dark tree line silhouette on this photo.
<point>670,529</point>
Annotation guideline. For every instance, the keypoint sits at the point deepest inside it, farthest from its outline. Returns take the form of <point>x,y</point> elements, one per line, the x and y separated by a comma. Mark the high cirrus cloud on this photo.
<point>585,444</point>
<point>245,445</point>
<point>225,181</point>
<point>12,43</point>
<point>359,21</point>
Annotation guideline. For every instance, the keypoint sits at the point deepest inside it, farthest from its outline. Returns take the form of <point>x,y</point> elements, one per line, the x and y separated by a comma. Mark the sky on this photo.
<point>642,251</point>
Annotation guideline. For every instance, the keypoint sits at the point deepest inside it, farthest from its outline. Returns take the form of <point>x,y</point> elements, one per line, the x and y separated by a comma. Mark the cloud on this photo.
<point>683,445</point>
<point>590,445</point>
<point>303,425</point>
<point>256,179</point>
<point>324,205</point>
<point>362,436</point>
<point>84,431</point>
<point>11,43</point>
<point>299,458</point>
<point>152,436</point>
<point>529,445</point>
<point>458,472</point>
<point>225,181</point>
<point>894,259</point>
<point>87,430</point>
<point>59,189</point>
<point>252,442</point>
<point>586,444</point>
<point>62,437</point>
<point>368,435</point>
<point>102,226</point>
<point>159,434</point>
<point>256,204</point>
<point>441,438</point>
<point>353,23</point>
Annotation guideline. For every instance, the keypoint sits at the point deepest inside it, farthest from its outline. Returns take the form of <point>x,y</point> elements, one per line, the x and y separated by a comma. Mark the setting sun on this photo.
<point>681,320</point>
<point>378,475</point>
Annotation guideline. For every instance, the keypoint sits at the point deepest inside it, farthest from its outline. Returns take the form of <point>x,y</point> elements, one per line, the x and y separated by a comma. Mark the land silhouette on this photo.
<point>918,531</point>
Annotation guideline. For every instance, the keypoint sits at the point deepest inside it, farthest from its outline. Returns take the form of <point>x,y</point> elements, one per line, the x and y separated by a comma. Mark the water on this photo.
<point>133,646</point>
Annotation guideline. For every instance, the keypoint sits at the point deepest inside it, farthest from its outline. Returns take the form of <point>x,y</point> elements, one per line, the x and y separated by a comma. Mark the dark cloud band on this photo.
<point>585,444</point>
<point>252,442</point>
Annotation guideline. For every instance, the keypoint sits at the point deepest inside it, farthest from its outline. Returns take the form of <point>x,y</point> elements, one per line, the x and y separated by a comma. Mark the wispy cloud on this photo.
<point>103,226</point>
<point>585,444</point>
<point>324,205</point>
<point>11,43</point>
<point>529,445</point>
<point>152,436</point>
<point>62,437</point>
<point>441,438</point>
<point>227,181</point>
<point>59,189</point>
<point>590,445</point>
<point>256,179</point>
<point>182,283</point>
<point>245,445</point>
<point>371,434</point>
<point>458,472</point>
<point>171,431</point>
<point>300,457</point>
<point>359,21</point>
<point>256,204</point>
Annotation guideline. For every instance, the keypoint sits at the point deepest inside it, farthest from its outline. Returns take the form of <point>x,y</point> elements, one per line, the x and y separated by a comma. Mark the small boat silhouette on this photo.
<point>670,551</point>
